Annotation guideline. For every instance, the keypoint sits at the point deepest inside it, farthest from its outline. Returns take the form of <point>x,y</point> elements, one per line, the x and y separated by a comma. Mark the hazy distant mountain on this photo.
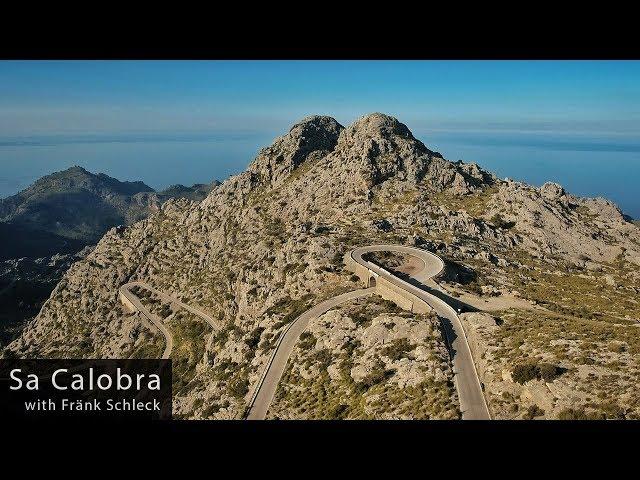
<point>196,192</point>
<point>64,211</point>
<point>44,228</point>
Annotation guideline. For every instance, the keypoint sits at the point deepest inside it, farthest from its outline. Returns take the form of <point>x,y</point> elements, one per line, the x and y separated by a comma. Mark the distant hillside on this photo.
<point>64,211</point>
<point>196,192</point>
<point>44,228</point>
<point>18,241</point>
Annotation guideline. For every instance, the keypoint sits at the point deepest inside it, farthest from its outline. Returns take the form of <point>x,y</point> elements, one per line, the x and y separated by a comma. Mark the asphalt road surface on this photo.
<point>156,320</point>
<point>266,388</point>
<point>152,317</point>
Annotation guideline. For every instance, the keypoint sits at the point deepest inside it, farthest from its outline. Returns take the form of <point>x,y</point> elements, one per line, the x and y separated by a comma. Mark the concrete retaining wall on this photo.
<point>387,290</point>
<point>353,266</point>
<point>126,302</point>
<point>405,300</point>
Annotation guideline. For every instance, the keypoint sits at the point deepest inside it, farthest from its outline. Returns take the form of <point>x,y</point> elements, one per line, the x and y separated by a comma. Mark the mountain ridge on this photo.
<point>79,206</point>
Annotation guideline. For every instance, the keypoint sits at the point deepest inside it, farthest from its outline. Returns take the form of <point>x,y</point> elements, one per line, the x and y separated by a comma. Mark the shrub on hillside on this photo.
<point>549,372</point>
<point>576,414</point>
<point>253,339</point>
<point>239,387</point>
<point>524,372</point>
<point>398,349</point>
<point>533,411</point>
<point>379,374</point>
<point>307,341</point>
<point>165,311</point>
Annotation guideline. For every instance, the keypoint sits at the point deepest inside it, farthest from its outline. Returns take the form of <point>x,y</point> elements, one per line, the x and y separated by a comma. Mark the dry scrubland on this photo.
<point>368,360</point>
<point>267,244</point>
<point>538,364</point>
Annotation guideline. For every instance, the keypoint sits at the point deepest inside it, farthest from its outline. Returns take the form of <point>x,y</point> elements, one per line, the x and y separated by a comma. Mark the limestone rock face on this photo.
<point>384,148</point>
<point>478,319</point>
<point>552,191</point>
<point>312,137</point>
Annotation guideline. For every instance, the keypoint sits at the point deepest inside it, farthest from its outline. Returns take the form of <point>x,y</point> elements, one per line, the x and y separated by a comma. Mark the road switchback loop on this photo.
<point>407,295</point>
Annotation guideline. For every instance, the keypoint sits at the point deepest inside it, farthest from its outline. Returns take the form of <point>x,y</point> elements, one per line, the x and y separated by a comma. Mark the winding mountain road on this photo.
<point>472,401</point>
<point>268,383</point>
<point>125,291</point>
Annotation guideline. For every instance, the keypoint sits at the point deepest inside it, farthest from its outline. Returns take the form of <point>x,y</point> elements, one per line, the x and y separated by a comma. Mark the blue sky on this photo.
<point>577,123</point>
<point>135,97</point>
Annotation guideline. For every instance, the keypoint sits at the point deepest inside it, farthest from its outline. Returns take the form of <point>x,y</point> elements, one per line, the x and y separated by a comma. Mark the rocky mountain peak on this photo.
<point>317,129</point>
<point>77,169</point>
<point>383,148</point>
<point>77,178</point>
<point>552,190</point>
<point>311,138</point>
<point>379,125</point>
<point>375,148</point>
<point>65,210</point>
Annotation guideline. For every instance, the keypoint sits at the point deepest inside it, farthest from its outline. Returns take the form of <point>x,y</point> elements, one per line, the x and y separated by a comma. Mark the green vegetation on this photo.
<point>532,412</point>
<point>395,202</point>
<point>189,337</point>
<point>398,349</point>
<point>221,336</point>
<point>378,375</point>
<point>549,372</point>
<point>308,390</point>
<point>293,309</point>
<point>213,408</point>
<point>375,396</point>
<point>307,341</point>
<point>239,386</point>
<point>293,268</point>
<point>165,311</point>
<point>566,290</point>
<point>578,414</point>
<point>253,339</point>
<point>149,349</point>
<point>524,372</point>
<point>599,360</point>
<point>538,330</point>
<point>225,369</point>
